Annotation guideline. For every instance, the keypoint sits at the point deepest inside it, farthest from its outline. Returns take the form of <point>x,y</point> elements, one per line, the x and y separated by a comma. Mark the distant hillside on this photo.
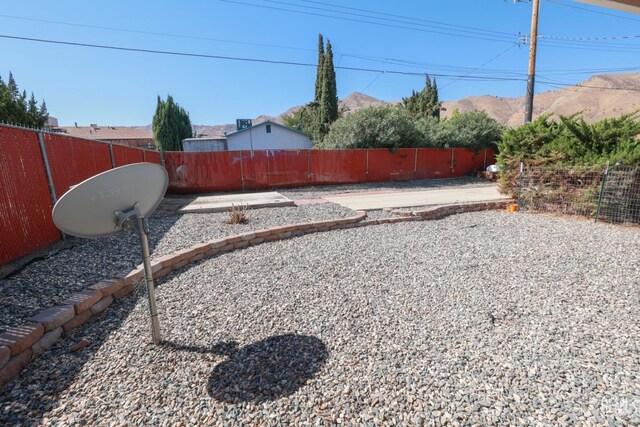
<point>597,98</point>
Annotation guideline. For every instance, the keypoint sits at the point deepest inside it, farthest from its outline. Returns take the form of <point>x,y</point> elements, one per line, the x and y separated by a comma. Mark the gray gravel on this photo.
<point>49,282</point>
<point>417,185</point>
<point>484,318</point>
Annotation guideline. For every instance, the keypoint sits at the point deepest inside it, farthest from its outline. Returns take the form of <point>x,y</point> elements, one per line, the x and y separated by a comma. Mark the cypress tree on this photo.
<point>171,124</point>
<point>319,69</point>
<point>329,98</point>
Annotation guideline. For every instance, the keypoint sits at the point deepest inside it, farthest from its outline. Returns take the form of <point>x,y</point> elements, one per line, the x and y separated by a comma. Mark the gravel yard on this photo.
<point>49,282</point>
<point>483,318</point>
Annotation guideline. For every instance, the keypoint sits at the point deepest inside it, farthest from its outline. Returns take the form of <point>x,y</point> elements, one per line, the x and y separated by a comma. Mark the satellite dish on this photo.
<point>113,201</point>
<point>87,209</point>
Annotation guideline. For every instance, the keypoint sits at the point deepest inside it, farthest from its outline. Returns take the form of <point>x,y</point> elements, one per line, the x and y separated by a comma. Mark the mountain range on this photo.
<point>599,97</point>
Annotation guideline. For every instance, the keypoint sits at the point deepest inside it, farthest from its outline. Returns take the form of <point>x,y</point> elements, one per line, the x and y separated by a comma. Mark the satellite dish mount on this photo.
<point>131,220</point>
<point>117,200</point>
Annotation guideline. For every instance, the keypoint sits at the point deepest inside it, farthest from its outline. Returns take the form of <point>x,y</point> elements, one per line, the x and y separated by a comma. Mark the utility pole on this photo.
<point>531,78</point>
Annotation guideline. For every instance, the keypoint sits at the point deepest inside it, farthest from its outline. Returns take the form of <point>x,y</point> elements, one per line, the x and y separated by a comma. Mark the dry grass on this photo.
<point>238,214</point>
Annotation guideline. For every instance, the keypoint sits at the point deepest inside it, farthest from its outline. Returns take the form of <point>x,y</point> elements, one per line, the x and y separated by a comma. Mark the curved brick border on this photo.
<point>21,344</point>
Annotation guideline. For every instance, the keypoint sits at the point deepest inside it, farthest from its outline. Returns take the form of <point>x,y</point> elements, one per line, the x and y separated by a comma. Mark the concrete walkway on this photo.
<point>369,201</point>
<point>207,204</point>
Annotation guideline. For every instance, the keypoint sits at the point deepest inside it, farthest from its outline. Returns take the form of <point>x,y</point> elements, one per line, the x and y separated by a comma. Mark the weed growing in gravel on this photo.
<point>238,214</point>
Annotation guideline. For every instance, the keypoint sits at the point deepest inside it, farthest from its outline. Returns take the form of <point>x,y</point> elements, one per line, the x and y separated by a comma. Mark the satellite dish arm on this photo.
<point>131,220</point>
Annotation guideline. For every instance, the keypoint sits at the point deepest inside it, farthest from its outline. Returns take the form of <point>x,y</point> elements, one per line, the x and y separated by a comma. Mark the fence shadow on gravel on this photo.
<point>267,370</point>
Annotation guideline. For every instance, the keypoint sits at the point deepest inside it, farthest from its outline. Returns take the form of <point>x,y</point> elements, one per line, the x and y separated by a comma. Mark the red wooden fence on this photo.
<point>26,201</point>
<point>259,170</point>
<point>26,198</point>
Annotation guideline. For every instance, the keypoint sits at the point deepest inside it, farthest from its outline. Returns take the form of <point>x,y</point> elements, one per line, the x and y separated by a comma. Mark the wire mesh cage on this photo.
<point>610,194</point>
<point>620,196</point>
<point>568,191</point>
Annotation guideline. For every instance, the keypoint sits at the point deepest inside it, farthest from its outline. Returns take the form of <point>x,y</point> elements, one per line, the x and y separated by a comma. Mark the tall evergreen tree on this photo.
<point>320,69</point>
<point>424,103</point>
<point>14,107</point>
<point>329,97</point>
<point>171,124</point>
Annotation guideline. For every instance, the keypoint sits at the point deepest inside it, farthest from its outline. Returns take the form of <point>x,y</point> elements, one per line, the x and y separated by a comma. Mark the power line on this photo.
<point>372,82</point>
<point>482,65</point>
<point>154,33</point>
<point>494,39</point>
<point>290,63</point>
<point>404,18</point>
<point>245,59</point>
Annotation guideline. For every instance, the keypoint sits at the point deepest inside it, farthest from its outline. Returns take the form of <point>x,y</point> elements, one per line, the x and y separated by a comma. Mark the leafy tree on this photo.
<point>14,107</point>
<point>425,103</point>
<point>171,124</point>
<point>431,130</point>
<point>474,130</point>
<point>373,127</point>
<point>320,69</point>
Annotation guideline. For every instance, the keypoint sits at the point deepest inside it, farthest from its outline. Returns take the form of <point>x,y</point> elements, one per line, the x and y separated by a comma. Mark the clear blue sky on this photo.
<point>442,37</point>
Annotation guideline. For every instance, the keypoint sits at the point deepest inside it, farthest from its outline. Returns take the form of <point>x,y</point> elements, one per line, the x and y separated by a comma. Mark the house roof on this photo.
<point>268,122</point>
<point>107,132</point>
<point>632,6</point>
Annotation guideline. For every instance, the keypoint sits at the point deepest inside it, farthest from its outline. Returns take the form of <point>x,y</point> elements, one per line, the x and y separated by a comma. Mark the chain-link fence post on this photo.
<point>604,181</point>
<point>520,185</point>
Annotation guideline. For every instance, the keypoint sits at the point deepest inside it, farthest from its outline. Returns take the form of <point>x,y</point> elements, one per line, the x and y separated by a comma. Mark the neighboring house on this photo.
<point>214,143</point>
<point>268,136</point>
<point>122,135</point>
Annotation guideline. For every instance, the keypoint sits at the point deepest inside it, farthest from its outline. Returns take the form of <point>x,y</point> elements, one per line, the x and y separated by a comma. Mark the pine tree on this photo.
<point>320,69</point>
<point>14,107</point>
<point>329,97</point>
<point>171,124</point>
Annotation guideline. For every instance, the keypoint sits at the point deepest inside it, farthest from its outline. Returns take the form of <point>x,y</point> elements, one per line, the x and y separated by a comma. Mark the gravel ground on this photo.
<point>483,318</point>
<point>49,282</point>
<point>417,185</point>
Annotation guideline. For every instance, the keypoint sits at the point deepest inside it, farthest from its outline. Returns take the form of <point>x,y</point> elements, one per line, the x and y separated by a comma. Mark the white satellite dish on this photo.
<point>113,201</point>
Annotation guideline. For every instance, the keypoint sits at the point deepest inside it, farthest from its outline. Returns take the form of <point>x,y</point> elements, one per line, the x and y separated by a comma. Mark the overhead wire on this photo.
<point>403,19</point>
<point>502,39</point>
<point>235,58</point>
<point>279,62</point>
<point>482,65</point>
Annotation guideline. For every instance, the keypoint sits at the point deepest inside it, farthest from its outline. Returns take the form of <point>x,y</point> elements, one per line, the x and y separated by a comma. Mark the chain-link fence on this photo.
<point>609,194</point>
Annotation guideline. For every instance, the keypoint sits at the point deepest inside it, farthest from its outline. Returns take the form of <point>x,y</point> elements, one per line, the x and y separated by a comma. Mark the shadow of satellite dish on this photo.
<point>268,370</point>
<point>113,201</point>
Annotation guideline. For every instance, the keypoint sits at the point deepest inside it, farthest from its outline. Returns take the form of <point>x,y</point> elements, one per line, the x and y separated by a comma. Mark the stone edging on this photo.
<point>21,344</point>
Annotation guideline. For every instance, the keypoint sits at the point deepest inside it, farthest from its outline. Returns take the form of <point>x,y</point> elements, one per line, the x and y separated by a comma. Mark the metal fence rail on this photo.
<point>610,194</point>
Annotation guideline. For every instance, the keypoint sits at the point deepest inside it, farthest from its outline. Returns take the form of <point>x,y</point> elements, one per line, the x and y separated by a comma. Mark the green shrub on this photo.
<point>373,127</point>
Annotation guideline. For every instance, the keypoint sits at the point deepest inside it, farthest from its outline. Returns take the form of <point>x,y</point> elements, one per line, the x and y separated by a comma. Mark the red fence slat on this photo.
<point>338,166</point>
<point>126,155</point>
<point>151,156</point>
<point>204,172</point>
<point>72,160</point>
<point>433,163</point>
<point>386,166</point>
<point>25,199</point>
<point>267,169</point>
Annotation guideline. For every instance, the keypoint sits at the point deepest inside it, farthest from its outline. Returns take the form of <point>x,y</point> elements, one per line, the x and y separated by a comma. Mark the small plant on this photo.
<point>238,214</point>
